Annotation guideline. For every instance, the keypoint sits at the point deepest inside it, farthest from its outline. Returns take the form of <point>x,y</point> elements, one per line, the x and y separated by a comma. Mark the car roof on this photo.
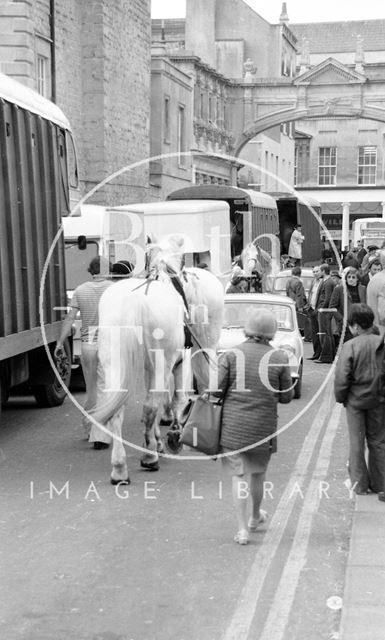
<point>287,272</point>
<point>259,297</point>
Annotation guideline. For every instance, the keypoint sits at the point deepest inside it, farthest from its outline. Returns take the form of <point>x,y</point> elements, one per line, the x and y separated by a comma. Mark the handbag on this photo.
<point>202,420</point>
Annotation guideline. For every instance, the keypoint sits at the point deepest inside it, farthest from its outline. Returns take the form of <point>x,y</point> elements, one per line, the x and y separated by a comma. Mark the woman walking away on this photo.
<point>365,409</point>
<point>253,377</point>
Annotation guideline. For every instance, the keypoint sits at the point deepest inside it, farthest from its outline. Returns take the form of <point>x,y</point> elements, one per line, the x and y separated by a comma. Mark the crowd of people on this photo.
<point>349,305</point>
<point>331,294</point>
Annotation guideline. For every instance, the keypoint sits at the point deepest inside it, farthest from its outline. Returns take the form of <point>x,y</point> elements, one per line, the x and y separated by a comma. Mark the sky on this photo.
<point>298,10</point>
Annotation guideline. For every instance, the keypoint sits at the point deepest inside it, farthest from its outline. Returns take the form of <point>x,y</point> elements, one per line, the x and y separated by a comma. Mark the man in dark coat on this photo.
<point>295,289</point>
<point>325,317</point>
<point>314,299</point>
<point>374,267</point>
<point>365,411</point>
<point>361,252</point>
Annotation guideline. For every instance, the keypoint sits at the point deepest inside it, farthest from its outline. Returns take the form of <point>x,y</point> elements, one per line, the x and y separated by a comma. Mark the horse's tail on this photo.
<point>205,297</point>
<point>119,353</point>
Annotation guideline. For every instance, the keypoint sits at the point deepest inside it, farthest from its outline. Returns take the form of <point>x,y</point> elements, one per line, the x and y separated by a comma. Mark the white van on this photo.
<point>121,233</point>
<point>369,230</point>
<point>104,231</point>
<point>204,225</point>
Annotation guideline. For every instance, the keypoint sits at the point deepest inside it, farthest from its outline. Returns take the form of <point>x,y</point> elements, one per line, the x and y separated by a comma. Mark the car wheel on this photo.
<point>298,386</point>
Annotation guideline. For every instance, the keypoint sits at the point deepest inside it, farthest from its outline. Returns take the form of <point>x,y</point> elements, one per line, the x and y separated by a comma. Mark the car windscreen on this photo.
<point>237,313</point>
<point>281,281</point>
<point>77,263</point>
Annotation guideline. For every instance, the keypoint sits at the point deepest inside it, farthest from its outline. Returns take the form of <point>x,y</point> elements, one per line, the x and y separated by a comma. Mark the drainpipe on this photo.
<point>345,226</point>
<point>53,52</point>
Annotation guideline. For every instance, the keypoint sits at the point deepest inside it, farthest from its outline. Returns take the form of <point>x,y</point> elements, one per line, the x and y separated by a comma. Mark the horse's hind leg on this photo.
<point>150,459</point>
<point>119,472</point>
<point>154,400</point>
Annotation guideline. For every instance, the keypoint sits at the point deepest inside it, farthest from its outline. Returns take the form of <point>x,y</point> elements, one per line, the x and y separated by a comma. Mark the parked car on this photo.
<point>237,308</point>
<point>277,283</point>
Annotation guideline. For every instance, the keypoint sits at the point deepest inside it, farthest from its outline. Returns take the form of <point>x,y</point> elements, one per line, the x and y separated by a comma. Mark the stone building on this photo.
<point>216,45</point>
<point>92,57</point>
<point>341,161</point>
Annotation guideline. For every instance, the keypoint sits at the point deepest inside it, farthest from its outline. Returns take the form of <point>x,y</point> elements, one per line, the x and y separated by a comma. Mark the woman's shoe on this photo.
<point>254,523</point>
<point>242,537</point>
<point>101,445</point>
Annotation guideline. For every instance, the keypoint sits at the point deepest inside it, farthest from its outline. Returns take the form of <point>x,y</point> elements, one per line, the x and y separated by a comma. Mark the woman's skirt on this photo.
<point>238,464</point>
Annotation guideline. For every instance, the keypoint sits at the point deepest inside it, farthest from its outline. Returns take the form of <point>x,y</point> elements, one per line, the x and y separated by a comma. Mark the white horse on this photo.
<point>145,320</point>
<point>256,261</point>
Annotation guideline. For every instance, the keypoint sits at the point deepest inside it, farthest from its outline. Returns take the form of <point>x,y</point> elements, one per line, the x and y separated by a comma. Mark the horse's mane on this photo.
<point>165,256</point>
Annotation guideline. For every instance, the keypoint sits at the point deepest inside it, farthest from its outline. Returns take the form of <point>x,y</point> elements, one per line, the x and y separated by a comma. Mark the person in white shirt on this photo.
<point>85,300</point>
<point>295,245</point>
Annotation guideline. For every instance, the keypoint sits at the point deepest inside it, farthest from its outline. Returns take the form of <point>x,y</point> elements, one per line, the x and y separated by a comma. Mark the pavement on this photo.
<point>363,610</point>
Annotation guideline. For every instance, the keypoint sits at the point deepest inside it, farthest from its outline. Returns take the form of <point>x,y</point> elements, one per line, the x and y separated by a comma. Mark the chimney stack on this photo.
<point>284,18</point>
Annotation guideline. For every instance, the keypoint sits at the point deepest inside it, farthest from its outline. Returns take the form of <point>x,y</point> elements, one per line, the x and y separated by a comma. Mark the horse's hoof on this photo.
<point>150,466</point>
<point>173,441</point>
<point>116,482</point>
<point>160,447</point>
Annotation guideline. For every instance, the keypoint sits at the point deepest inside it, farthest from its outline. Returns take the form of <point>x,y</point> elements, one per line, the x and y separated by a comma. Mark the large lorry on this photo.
<point>306,211</point>
<point>250,213</point>
<point>38,185</point>
<point>255,214</point>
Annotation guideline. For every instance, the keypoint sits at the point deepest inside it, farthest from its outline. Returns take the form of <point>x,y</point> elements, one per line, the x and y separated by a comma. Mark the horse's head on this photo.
<point>256,259</point>
<point>166,256</point>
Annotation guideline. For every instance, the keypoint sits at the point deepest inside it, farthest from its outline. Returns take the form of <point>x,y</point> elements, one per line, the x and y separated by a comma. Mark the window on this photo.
<point>211,108</point>
<point>72,162</point>
<point>202,105</point>
<point>166,123</point>
<point>41,76</point>
<point>367,165</point>
<point>181,134</point>
<point>327,166</point>
<point>276,172</point>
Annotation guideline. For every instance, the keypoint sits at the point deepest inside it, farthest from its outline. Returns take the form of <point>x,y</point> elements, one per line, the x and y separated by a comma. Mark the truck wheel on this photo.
<point>298,386</point>
<point>4,387</point>
<point>53,394</point>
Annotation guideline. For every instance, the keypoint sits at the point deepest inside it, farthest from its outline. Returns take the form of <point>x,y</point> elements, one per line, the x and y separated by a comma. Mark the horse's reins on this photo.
<point>178,286</point>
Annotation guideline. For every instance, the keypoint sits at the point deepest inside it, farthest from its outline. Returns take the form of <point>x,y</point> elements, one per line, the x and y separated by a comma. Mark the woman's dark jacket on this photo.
<point>250,415</point>
<point>337,300</point>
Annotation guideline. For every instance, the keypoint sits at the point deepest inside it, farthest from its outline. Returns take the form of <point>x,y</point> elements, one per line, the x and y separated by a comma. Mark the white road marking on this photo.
<point>281,606</point>
<point>240,623</point>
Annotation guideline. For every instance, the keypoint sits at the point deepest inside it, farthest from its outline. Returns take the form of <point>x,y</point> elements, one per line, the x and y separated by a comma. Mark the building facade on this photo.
<point>92,57</point>
<point>157,103</point>
<point>341,161</point>
<point>216,45</point>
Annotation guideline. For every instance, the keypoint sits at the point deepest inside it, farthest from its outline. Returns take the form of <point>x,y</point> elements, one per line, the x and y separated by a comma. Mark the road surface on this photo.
<point>81,560</point>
